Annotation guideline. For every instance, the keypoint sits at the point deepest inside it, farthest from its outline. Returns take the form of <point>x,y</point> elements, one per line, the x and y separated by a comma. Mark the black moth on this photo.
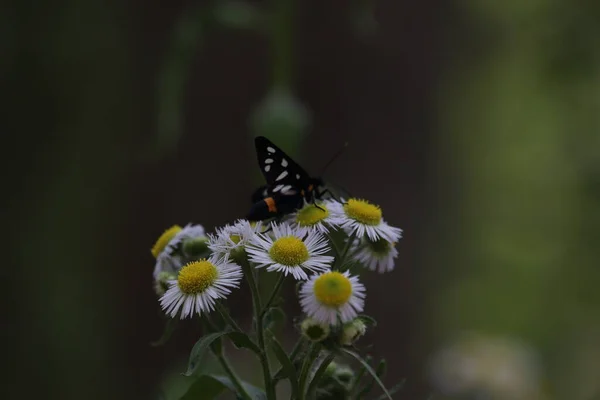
<point>288,185</point>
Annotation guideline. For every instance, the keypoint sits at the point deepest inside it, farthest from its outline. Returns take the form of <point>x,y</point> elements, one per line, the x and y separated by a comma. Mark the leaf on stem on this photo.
<point>208,387</point>
<point>274,319</point>
<point>239,339</point>
<point>242,341</point>
<point>393,390</point>
<point>286,364</point>
<point>370,370</point>
<point>199,351</point>
<point>368,320</point>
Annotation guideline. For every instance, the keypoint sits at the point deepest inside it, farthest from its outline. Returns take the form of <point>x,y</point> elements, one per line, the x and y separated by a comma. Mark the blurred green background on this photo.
<point>474,124</point>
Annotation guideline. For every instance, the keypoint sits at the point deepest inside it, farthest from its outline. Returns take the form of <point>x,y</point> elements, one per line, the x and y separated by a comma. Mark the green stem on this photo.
<point>233,376</point>
<point>308,361</point>
<point>227,317</point>
<point>320,371</point>
<point>342,259</point>
<point>273,294</point>
<point>334,245</point>
<point>264,361</point>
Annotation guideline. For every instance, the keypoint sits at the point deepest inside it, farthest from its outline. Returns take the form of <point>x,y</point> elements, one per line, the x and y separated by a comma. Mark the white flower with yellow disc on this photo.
<point>199,285</point>
<point>361,218</point>
<point>376,255</point>
<point>291,251</point>
<point>318,217</point>
<point>333,297</point>
<point>231,238</point>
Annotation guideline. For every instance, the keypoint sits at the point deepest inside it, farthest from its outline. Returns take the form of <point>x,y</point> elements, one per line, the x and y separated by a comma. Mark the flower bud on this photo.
<point>195,247</point>
<point>314,330</point>
<point>161,284</point>
<point>352,331</point>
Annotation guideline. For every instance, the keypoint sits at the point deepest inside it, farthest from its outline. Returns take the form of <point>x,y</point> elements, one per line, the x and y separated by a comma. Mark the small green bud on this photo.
<point>239,255</point>
<point>314,330</point>
<point>195,247</point>
<point>330,370</point>
<point>344,375</point>
<point>162,282</point>
<point>352,331</point>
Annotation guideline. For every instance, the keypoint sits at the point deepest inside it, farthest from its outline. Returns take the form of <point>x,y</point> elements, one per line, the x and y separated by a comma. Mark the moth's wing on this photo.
<point>277,167</point>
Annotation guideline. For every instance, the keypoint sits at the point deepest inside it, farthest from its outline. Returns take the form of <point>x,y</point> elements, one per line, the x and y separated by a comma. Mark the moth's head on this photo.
<point>316,182</point>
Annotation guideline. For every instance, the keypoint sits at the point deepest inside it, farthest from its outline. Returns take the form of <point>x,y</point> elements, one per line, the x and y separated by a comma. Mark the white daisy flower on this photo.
<point>163,241</point>
<point>333,296</point>
<point>190,231</point>
<point>166,262</point>
<point>198,285</point>
<point>233,237</point>
<point>376,255</point>
<point>168,259</point>
<point>291,251</point>
<point>360,218</point>
<point>317,217</point>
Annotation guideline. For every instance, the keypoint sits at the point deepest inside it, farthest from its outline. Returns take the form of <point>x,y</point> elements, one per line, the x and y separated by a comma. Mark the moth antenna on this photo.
<point>332,159</point>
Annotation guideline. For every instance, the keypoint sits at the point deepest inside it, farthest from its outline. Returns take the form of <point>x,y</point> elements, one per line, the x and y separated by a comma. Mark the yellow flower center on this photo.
<point>164,240</point>
<point>311,214</point>
<point>289,250</point>
<point>333,289</point>
<point>380,246</point>
<point>196,277</point>
<point>363,211</point>
<point>235,238</point>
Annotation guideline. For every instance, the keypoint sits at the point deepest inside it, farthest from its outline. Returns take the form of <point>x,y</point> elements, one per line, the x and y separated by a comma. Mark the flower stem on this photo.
<point>308,361</point>
<point>260,334</point>
<point>223,311</point>
<point>344,255</point>
<point>233,376</point>
<point>273,294</point>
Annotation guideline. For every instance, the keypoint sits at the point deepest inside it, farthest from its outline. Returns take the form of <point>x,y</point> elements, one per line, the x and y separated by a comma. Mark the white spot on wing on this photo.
<point>281,175</point>
<point>284,162</point>
<point>267,168</point>
<point>277,188</point>
<point>270,150</point>
<point>286,188</point>
<point>297,176</point>
<point>268,161</point>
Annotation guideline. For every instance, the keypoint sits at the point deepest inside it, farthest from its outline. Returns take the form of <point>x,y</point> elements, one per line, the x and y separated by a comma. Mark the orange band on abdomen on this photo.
<point>271,204</point>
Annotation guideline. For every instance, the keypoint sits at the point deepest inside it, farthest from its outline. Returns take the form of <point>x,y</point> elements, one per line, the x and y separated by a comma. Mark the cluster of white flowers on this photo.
<point>195,270</point>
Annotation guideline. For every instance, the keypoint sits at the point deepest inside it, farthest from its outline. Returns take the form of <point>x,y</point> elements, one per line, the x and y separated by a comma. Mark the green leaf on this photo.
<point>369,369</point>
<point>394,389</point>
<point>205,387</point>
<point>199,351</point>
<point>274,318</point>
<point>241,340</point>
<point>368,320</point>
<point>286,364</point>
<point>380,372</point>
<point>208,387</point>
<point>318,376</point>
<point>170,326</point>
<point>210,341</point>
